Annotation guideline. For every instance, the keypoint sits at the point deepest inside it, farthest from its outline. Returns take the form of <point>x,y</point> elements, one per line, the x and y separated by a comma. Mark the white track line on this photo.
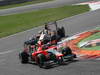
<point>6,52</point>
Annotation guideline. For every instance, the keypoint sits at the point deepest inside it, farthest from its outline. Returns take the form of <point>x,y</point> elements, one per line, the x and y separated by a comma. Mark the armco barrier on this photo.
<point>73,44</point>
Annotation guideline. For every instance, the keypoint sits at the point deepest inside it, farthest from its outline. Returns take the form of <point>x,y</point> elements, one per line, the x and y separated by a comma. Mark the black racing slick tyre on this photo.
<point>24,57</point>
<point>67,51</point>
<point>63,31</point>
<point>41,59</point>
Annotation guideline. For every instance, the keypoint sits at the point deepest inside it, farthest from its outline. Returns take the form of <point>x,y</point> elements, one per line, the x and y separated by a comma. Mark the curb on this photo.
<point>79,51</point>
<point>94,5</point>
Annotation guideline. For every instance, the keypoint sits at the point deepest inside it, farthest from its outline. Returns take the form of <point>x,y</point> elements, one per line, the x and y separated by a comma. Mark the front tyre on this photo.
<point>24,57</point>
<point>41,59</point>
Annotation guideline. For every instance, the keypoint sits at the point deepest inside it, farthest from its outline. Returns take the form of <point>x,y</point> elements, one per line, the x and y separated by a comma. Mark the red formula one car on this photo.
<point>49,52</point>
<point>45,55</point>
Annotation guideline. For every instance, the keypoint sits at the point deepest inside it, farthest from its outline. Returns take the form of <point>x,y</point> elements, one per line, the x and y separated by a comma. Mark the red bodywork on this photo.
<point>45,52</point>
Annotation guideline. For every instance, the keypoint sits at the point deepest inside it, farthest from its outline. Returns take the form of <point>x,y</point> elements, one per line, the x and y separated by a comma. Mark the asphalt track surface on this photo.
<point>12,45</point>
<point>27,8</point>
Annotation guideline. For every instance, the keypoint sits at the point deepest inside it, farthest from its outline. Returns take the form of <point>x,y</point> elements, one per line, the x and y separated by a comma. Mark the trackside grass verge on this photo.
<point>23,4</point>
<point>12,24</point>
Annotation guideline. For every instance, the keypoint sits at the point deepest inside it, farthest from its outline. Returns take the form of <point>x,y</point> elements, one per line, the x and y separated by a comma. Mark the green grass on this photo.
<point>93,37</point>
<point>12,24</point>
<point>93,48</point>
<point>23,4</point>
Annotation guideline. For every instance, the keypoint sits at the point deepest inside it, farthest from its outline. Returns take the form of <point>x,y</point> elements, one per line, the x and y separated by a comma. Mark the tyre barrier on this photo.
<point>79,51</point>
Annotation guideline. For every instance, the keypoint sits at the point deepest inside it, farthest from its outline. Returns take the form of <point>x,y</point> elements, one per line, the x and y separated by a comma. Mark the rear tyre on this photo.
<point>63,31</point>
<point>24,57</point>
